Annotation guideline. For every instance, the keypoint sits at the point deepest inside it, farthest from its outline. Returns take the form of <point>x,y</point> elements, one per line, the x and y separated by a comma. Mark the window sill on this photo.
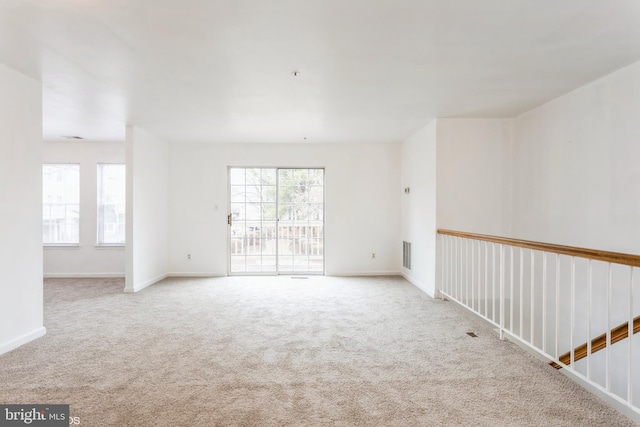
<point>110,246</point>
<point>61,246</point>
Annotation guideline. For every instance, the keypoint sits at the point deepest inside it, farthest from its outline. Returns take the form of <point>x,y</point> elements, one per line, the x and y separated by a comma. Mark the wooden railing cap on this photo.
<point>594,254</point>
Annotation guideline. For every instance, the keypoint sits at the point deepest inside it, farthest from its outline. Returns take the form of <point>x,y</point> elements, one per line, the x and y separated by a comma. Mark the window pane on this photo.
<point>268,177</point>
<point>254,211</point>
<point>61,203</point>
<point>111,203</point>
<point>237,194</point>
<point>254,176</point>
<point>238,212</point>
<point>237,176</point>
<point>269,193</point>
<point>269,212</point>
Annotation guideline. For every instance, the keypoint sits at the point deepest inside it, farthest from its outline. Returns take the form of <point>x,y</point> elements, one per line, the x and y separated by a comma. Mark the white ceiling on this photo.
<point>370,70</point>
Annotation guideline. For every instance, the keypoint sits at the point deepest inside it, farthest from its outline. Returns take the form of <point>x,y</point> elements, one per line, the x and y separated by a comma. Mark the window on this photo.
<point>61,204</point>
<point>111,204</point>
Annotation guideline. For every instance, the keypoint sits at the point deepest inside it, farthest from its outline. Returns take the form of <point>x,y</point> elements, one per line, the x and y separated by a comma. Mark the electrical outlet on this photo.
<point>373,255</point>
<point>188,256</point>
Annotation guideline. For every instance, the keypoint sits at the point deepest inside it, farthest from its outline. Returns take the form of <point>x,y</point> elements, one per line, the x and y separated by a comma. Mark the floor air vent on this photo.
<point>406,255</point>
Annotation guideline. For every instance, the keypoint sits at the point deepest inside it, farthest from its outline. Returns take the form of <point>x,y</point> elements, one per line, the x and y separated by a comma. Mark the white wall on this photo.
<point>576,167</point>
<point>147,209</point>
<point>87,259</point>
<point>362,191</point>
<point>21,315</point>
<point>419,206</point>
<point>474,175</point>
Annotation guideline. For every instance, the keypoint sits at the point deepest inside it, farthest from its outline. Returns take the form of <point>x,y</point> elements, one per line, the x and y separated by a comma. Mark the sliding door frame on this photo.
<point>278,270</point>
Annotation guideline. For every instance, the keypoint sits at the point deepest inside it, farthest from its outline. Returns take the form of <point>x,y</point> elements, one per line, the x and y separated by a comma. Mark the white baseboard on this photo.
<point>418,285</point>
<point>82,275</point>
<point>21,340</point>
<point>145,284</point>
<point>363,273</point>
<point>187,274</point>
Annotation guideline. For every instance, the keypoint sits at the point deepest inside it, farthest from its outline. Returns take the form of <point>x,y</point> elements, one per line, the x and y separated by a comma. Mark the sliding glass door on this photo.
<point>276,221</point>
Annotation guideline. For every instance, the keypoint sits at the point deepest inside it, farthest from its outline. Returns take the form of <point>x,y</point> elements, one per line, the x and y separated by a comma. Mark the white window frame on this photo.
<point>100,225</point>
<point>47,206</point>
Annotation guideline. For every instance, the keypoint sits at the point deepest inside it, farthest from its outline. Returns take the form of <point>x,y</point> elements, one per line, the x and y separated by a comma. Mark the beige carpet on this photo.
<point>282,352</point>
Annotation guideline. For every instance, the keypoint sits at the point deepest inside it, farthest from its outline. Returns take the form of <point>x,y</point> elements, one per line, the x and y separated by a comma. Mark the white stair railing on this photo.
<point>559,301</point>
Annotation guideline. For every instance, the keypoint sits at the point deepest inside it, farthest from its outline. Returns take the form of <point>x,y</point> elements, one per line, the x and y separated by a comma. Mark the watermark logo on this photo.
<point>34,415</point>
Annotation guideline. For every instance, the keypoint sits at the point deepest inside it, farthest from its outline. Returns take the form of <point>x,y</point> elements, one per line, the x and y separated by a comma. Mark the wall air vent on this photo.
<point>406,255</point>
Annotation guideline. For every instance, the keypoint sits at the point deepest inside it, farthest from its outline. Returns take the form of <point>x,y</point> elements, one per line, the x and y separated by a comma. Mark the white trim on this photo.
<point>196,274</point>
<point>418,284</point>
<point>359,273</point>
<point>121,246</point>
<point>21,340</point>
<point>82,275</point>
<point>137,288</point>
<point>49,246</point>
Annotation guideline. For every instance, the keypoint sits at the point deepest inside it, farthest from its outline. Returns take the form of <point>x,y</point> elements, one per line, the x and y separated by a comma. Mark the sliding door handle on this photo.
<point>229,220</point>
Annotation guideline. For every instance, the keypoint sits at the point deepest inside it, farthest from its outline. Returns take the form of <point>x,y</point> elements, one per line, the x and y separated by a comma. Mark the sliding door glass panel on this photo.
<point>301,225</point>
<point>252,193</point>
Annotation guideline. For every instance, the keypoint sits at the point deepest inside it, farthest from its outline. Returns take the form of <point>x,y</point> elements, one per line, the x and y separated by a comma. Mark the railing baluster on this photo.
<point>502,292</point>
<point>452,268</point>
<point>479,278</point>
<point>449,264</point>
<point>478,281</point>
<point>463,272</point>
<point>486,279</point>
<point>520,326</point>
<point>630,360</point>
<point>589,325</point>
<point>462,260</point>
<point>557,305</point>
<point>511,290</point>
<point>461,275</point>
<point>533,299</point>
<point>466,273</point>
<point>472,275</point>
<point>573,310</point>
<point>608,349</point>
<point>493,282</point>
<point>459,271</point>
<point>544,302</point>
<point>443,277</point>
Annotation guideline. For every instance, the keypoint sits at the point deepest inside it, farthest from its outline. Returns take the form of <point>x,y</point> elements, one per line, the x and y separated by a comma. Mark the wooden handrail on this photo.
<point>598,255</point>
<point>618,333</point>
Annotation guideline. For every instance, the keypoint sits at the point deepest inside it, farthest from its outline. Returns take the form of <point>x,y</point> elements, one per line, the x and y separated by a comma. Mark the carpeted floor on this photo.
<point>244,351</point>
